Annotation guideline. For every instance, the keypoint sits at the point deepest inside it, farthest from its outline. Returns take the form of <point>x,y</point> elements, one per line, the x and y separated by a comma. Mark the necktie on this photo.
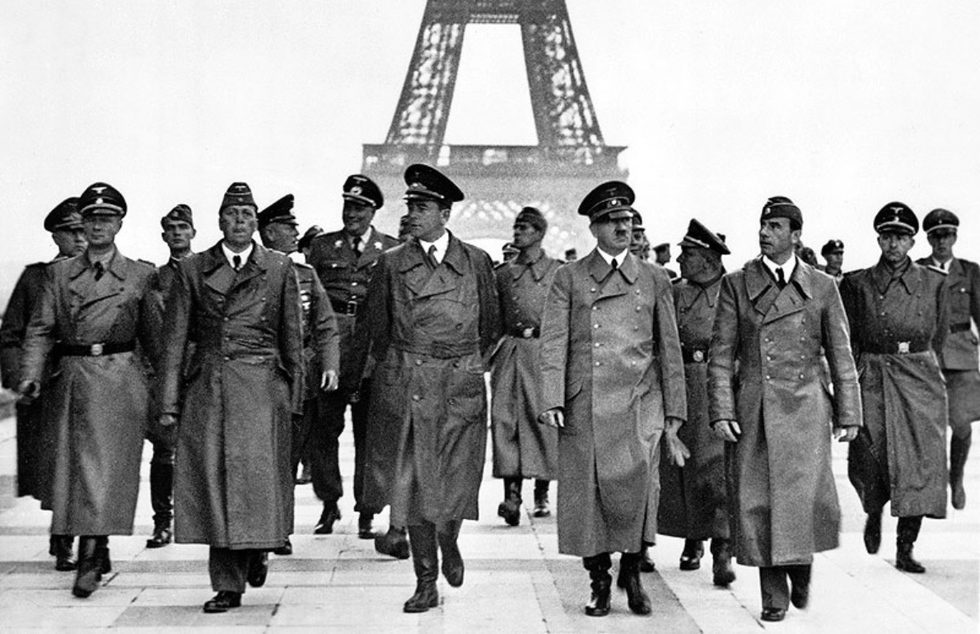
<point>357,247</point>
<point>614,264</point>
<point>236,262</point>
<point>780,278</point>
<point>431,256</point>
<point>99,270</point>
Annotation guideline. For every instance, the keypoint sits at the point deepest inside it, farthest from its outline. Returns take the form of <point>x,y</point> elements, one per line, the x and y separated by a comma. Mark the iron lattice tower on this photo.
<point>570,158</point>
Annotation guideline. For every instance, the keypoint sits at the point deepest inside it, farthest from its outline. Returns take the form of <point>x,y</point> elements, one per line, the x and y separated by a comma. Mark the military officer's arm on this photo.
<point>12,330</point>
<point>150,322</point>
<point>942,314</point>
<point>326,335</point>
<point>672,383</point>
<point>836,338</point>
<point>554,348</point>
<point>491,321</point>
<point>39,339</point>
<point>974,275</point>
<point>371,330</point>
<point>721,365</point>
<point>175,334</point>
<point>291,338</point>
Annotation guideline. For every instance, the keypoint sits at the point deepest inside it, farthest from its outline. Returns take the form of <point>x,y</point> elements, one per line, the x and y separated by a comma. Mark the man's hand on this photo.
<point>554,417</point>
<point>727,430</point>
<point>167,420</point>
<point>29,390</point>
<point>329,380</point>
<point>676,448</point>
<point>846,434</point>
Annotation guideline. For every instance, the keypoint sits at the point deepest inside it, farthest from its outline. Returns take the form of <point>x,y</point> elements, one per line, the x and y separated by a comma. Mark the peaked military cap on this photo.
<point>896,217</point>
<point>428,183</point>
<point>700,236</point>
<point>940,219</point>
<point>238,194</point>
<point>64,216</point>
<point>783,207</point>
<point>832,246</point>
<point>362,189</point>
<point>308,236</point>
<point>101,199</point>
<point>613,199</point>
<point>663,246</point>
<point>533,217</point>
<point>279,211</point>
<point>180,213</point>
<point>637,220</point>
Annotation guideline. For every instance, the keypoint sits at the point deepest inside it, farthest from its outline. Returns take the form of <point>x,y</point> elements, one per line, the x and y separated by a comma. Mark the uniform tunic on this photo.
<point>898,323</point>
<point>765,372</point>
<point>233,485</point>
<point>693,499</point>
<point>522,447</point>
<point>431,331</point>
<point>98,404</point>
<point>610,356</point>
<point>958,358</point>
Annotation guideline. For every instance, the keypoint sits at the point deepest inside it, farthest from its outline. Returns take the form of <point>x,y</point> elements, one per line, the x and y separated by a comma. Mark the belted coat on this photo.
<point>900,455</point>
<point>233,485</point>
<point>610,356</point>
<point>97,406</point>
<point>431,331</point>
<point>765,371</point>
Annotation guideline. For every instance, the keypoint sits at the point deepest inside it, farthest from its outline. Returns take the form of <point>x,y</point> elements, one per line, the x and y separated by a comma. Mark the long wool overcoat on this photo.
<point>97,406</point>
<point>233,484</point>
<point>431,330</point>
<point>900,454</point>
<point>611,358</point>
<point>521,446</point>
<point>765,371</point>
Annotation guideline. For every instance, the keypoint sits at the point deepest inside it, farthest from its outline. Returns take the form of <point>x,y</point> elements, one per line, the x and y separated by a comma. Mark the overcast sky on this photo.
<point>841,105</point>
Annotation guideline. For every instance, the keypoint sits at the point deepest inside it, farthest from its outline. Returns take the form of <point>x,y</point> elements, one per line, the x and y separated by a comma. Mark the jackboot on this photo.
<point>393,543</point>
<point>161,498</point>
<point>89,572</point>
<point>61,546</point>
<point>510,508</point>
<point>425,560</point>
<point>365,530</point>
<point>872,532</point>
<point>452,560</point>
<point>908,532</point>
<point>102,550</point>
<point>598,567</point>
<point>959,450</point>
<point>541,502</point>
<point>646,563</point>
<point>721,562</point>
<point>329,515</point>
<point>629,580</point>
<point>692,553</point>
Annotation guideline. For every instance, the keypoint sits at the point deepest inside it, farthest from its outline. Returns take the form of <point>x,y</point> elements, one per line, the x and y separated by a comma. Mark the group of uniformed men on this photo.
<point>701,408</point>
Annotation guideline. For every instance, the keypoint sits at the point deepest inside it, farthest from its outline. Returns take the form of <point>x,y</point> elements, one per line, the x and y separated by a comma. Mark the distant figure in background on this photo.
<point>35,444</point>
<point>521,447</point>
<point>404,229</point>
<point>808,255</point>
<point>508,251</point>
<point>639,244</point>
<point>833,255</point>
<point>571,255</point>
<point>958,358</point>
<point>306,240</point>
<point>662,253</point>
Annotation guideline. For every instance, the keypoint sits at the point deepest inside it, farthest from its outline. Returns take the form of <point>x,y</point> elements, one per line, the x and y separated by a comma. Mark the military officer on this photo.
<point>833,255</point>
<point>693,499</point>
<point>34,442</point>
<point>433,318</point>
<point>958,358</point>
<point>344,261</point>
<point>94,310</point>
<point>233,488</point>
<point>639,243</point>
<point>768,398</point>
<point>277,228</point>
<point>662,253</point>
<point>521,447</point>
<point>612,382</point>
<point>306,240</point>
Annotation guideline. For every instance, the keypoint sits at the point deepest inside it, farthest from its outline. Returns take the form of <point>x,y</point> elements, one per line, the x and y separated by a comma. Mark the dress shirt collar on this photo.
<point>230,255</point>
<point>788,267</point>
<point>620,257</point>
<point>441,243</point>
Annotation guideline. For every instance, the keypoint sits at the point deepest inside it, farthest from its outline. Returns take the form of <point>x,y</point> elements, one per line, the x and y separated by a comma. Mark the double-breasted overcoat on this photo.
<point>610,356</point>
<point>233,484</point>
<point>765,371</point>
<point>97,404</point>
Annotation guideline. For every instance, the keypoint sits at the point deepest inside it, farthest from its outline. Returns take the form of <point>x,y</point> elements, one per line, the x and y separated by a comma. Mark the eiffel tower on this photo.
<point>570,158</point>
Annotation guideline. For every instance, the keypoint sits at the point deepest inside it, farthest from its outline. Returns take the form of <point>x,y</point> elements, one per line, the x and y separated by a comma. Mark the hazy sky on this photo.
<point>841,105</point>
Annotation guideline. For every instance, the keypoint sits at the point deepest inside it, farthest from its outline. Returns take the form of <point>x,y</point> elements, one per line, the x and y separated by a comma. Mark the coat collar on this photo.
<point>537,267</point>
<point>599,269</point>
<point>768,299</point>
<point>881,276</point>
<point>219,275</point>
<point>689,292</point>
<point>118,265</point>
<point>455,257</point>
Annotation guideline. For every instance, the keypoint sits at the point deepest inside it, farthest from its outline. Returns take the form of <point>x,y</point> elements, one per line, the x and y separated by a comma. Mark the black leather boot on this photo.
<point>959,450</point>
<point>541,502</point>
<point>102,550</point>
<point>452,560</point>
<point>329,515</point>
<point>365,530</point>
<point>89,572</point>
<point>161,498</point>
<point>872,532</point>
<point>646,563</point>
<point>62,548</point>
<point>721,565</point>
<point>598,567</point>
<point>692,553</point>
<point>425,560</point>
<point>629,580</point>
<point>908,532</point>
<point>393,543</point>
<point>510,508</point>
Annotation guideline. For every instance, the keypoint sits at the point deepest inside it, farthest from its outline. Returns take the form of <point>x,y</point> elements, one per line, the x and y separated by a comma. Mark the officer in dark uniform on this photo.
<point>662,253</point>
<point>833,255</point>
<point>693,499</point>
<point>321,341</point>
<point>958,358</point>
<point>34,445</point>
<point>307,239</point>
<point>899,319</point>
<point>344,261</point>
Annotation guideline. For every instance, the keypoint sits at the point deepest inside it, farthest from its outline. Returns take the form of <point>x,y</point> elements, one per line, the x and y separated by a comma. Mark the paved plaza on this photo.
<point>515,579</point>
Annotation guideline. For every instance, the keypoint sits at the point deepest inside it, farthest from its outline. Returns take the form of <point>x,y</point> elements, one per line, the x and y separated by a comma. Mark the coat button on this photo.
<point>598,363</point>
<point>595,308</point>
<point>596,344</point>
<point>595,325</point>
<point>592,289</point>
<point>418,362</point>
<point>416,397</point>
<point>353,283</point>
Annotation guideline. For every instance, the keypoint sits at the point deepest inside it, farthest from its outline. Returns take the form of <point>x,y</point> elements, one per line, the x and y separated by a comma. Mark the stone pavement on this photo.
<point>515,579</point>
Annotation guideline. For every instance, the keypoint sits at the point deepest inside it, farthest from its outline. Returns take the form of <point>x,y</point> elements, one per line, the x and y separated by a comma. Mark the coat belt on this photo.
<point>94,349</point>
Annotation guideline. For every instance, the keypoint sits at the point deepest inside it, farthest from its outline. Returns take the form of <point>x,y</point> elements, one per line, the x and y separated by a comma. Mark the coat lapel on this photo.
<point>412,267</point>
<point>611,284</point>
<point>794,296</point>
<point>760,287</point>
<point>254,267</point>
<point>446,276</point>
<point>218,274</point>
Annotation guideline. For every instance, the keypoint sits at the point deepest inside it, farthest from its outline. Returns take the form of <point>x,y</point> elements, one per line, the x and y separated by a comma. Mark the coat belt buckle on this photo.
<point>95,349</point>
<point>527,333</point>
<point>351,307</point>
<point>903,347</point>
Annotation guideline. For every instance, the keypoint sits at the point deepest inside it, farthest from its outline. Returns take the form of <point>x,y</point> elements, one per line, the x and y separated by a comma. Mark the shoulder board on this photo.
<point>301,265</point>
<point>147,263</point>
<point>936,270</point>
